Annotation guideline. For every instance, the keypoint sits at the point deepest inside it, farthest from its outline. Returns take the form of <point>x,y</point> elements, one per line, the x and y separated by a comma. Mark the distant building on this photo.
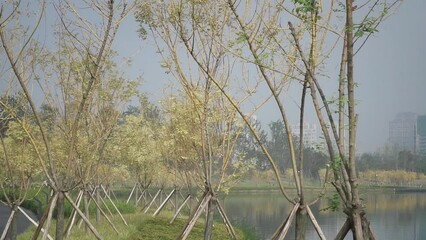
<point>403,131</point>
<point>310,134</point>
<point>421,135</point>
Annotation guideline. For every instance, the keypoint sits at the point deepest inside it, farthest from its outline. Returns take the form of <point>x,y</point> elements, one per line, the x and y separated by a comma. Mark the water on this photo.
<point>394,216</point>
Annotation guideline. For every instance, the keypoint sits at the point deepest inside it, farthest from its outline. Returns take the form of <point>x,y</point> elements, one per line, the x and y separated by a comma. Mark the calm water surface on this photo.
<point>394,216</point>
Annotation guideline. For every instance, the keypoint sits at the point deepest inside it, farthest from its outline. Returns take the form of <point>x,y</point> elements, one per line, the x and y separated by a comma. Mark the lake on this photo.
<point>394,216</point>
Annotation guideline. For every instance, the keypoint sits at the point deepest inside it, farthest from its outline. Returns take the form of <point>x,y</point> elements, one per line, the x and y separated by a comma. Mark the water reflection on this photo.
<point>394,216</point>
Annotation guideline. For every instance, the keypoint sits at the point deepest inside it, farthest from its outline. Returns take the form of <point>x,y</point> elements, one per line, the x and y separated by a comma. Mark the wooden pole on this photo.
<point>103,213</point>
<point>42,220</point>
<point>180,208</point>
<point>131,193</point>
<point>193,219</point>
<point>94,231</point>
<point>282,231</point>
<point>33,222</point>
<point>152,201</point>
<point>315,223</point>
<point>118,211</point>
<point>164,203</point>
<point>9,221</point>
<point>73,215</point>
<point>344,230</point>
<point>142,195</point>
<point>226,221</point>
<point>188,205</point>
<point>106,206</point>
<point>49,216</point>
<point>113,194</point>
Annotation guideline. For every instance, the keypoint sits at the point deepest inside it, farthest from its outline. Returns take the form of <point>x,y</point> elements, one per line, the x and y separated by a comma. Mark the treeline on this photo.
<point>277,145</point>
<point>147,145</point>
<point>149,142</point>
<point>392,177</point>
<point>392,159</point>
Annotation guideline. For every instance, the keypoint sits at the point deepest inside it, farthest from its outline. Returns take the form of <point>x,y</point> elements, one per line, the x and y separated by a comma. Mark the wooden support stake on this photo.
<point>142,194</point>
<point>33,222</point>
<point>188,205</point>
<point>42,220</point>
<point>164,203</point>
<point>9,221</point>
<point>103,213</point>
<point>180,208</point>
<point>49,216</point>
<point>116,209</point>
<point>73,215</point>
<point>113,194</point>
<point>226,221</point>
<point>282,231</point>
<point>315,223</point>
<point>106,206</point>
<point>152,201</point>
<point>196,214</point>
<point>344,230</point>
<point>94,231</point>
<point>131,193</point>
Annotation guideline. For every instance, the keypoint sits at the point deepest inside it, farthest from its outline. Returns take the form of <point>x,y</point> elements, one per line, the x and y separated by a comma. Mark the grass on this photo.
<point>142,226</point>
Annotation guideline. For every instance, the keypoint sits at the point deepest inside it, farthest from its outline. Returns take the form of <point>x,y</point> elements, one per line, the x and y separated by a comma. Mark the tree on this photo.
<point>278,145</point>
<point>202,28</point>
<point>253,37</point>
<point>138,143</point>
<point>343,163</point>
<point>79,68</point>
<point>17,168</point>
<point>248,147</point>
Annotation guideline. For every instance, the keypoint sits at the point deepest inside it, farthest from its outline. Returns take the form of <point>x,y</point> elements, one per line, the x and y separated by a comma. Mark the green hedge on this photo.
<point>32,205</point>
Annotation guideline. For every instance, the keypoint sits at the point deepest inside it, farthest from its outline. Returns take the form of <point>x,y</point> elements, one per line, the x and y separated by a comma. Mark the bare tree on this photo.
<point>254,35</point>
<point>84,49</point>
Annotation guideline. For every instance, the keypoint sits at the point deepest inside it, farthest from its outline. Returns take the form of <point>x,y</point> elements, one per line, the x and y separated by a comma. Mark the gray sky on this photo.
<point>389,70</point>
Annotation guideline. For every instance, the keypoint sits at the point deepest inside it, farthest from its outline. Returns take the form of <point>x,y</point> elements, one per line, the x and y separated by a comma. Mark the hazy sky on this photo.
<point>389,70</point>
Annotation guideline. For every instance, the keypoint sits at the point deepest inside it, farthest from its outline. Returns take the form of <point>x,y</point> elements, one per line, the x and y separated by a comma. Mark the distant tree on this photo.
<point>314,161</point>
<point>248,146</point>
<point>278,145</point>
<point>71,78</point>
<point>12,108</point>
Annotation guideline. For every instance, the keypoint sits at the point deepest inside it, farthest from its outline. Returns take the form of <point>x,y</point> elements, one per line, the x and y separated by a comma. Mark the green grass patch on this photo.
<point>123,207</point>
<point>142,226</point>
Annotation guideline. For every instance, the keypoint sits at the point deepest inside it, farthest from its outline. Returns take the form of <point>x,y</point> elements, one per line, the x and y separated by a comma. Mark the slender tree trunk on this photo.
<point>60,223</point>
<point>356,211</point>
<point>301,223</point>
<point>13,230</point>
<point>208,230</point>
<point>86,208</point>
<point>136,194</point>
<point>98,211</point>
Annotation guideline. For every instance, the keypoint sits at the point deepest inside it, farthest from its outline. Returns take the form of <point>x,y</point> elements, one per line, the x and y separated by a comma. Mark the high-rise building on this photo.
<point>403,131</point>
<point>309,133</point>
<point>421,134</point>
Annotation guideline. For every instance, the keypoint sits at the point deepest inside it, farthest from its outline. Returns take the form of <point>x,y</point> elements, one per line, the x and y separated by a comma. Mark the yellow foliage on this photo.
<point>397,177</point>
